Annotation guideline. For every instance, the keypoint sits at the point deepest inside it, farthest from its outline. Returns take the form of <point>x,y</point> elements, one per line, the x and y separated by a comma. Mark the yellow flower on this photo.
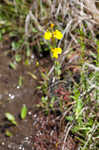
<point>51,25</point>
<point>58,50</point>
<point>55,55</point>
<point>57,34</point>
<point>47,35</point>
<point>55,52</point>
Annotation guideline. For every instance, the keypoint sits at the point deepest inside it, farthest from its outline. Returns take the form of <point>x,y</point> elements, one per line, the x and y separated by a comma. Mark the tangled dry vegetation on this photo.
<point>78,20</point>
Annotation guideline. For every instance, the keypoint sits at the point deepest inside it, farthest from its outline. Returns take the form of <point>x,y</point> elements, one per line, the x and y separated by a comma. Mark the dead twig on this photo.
<point>66,132</point>
<point>35,21</point>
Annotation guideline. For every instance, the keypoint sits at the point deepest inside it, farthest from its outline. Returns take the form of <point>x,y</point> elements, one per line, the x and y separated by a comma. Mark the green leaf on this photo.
<point>18,58</point>
<point>44,100</point>
<point>34,30</point>
<point>52,102</point>
<point>14,45</point>
<point>44,76</point>
<point>23,112</point>
<point>11,118</point>
<point>12,65</point>
<point>1,37</point>
<point>8,133</point>
<point>28,51</point>
<point>70,118</point>
<point>20,82</point>
<point>32,75</point>
<point>27,62</point>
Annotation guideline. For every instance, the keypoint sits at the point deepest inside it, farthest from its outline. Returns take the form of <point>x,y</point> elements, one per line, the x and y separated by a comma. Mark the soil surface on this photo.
<point>37,131</point>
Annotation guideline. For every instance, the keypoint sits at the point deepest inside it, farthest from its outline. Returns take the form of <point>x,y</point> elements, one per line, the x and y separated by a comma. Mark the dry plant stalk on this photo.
<point>92,8</point>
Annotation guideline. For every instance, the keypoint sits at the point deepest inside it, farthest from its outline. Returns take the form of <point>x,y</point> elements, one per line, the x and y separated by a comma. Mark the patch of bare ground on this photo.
<point>50,134</point>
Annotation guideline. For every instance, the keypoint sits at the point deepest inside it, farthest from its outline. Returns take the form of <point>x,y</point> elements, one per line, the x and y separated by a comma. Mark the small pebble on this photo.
<point>11,96</point>
<point>2,143</point>
<point>30,113</point>
<point>18,87</point>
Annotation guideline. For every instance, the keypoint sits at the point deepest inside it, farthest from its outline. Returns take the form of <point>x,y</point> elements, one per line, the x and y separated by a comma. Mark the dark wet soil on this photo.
<point>37,131</point>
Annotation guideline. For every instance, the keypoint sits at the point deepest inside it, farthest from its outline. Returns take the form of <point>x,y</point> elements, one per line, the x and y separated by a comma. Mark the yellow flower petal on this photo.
<point>54,55</point>
<point>47,35</point>
<point>53,49</point>
<point>55,52</point>
<point>59,50</point>
<point>57,34</point>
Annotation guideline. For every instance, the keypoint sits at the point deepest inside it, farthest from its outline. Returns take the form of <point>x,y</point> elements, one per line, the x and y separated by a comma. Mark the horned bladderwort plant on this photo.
<point>52,36</point>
